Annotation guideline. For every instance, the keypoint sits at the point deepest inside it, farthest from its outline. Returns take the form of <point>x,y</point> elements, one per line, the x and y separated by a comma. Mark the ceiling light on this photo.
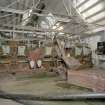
<point>29,14</point>
<point>34,34</point>
<point>65,20</point>
<point>30,10</point>
<point>60,28</point>
<point>57,24</point>
<point>54,27</point>
<point>61,33</point>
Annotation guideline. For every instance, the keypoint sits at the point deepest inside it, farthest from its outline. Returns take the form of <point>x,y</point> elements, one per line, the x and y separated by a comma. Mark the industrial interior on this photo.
<point>52,52</point>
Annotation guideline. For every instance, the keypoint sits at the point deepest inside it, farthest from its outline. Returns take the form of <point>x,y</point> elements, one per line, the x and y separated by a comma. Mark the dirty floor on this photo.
<point>41,85</point>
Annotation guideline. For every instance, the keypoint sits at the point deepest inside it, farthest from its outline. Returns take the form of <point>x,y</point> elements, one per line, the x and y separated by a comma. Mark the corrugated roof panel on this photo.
<point>97,17</point>
<point>87,4</point>
<point>101,22</point>
<point>79,2</point>
<point>93,10</point>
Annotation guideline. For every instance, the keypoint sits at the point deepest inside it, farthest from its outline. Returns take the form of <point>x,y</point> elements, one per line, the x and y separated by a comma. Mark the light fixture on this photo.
<point>30,10</point>
<point>34,34</point>
<point>61,33</point>
<point>57,24</point>
<point>29,14</point>
<point>60,28</point>
<point>54,27</point>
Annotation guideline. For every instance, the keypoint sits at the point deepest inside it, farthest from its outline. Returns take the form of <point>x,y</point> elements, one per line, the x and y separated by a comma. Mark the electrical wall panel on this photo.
<point>21,50</point>
<point>6,49</point>
<point>101,48</point>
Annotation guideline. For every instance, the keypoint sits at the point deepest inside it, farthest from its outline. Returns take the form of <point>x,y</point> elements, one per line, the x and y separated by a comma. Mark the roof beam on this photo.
<point>21,31</point>
<point>35,29</point>
<point>12,10</point>
<point>25,39</point>
<point>91,6</point>
<point>82,3</point>
<point>31,29</point>
<point>5,15</point>
<point>14,2</point>
<point>15,11</point>
<point>99,20</point>
<point>95,13</point>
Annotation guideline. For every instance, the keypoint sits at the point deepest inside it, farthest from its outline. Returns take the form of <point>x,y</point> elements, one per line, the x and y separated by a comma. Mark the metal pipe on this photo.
<point>11,4</point>
<point>63,1</point>
<point>68,97</point>
<point>21,31</point>
<point>11,10</point>
<point>5,16</point>
<point>16,11</point>
<point>31,28</point>
<point>23,102</point>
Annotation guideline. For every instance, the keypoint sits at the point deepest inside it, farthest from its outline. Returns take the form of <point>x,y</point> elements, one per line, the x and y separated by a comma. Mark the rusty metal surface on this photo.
<point>89,78</point>
<point>35,55</point>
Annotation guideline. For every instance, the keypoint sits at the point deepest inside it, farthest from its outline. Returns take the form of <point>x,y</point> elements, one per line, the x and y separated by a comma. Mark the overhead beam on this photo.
<point>65,6</point>
<point>82,35</point>
<point>5,15</point>
<point>95,13</point>
<point>33,29</point>
<point>22,12</point>
<point>38,14</point>
<point>91,6</point>
<point>99,20</point>
<point>12,10</point>
<point>14,2</point>
<point>82,3</point>
<point>30,28</point>
<point>92,34</point>
<point>54,13</point>
<point>25,39</point>
<point>21,31</point>
<point>37,33</point>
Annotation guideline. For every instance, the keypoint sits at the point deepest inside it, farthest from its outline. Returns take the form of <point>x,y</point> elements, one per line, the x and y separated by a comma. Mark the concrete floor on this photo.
<point>41,85</point>
<point>93,78</point>
<point>8,102</point>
